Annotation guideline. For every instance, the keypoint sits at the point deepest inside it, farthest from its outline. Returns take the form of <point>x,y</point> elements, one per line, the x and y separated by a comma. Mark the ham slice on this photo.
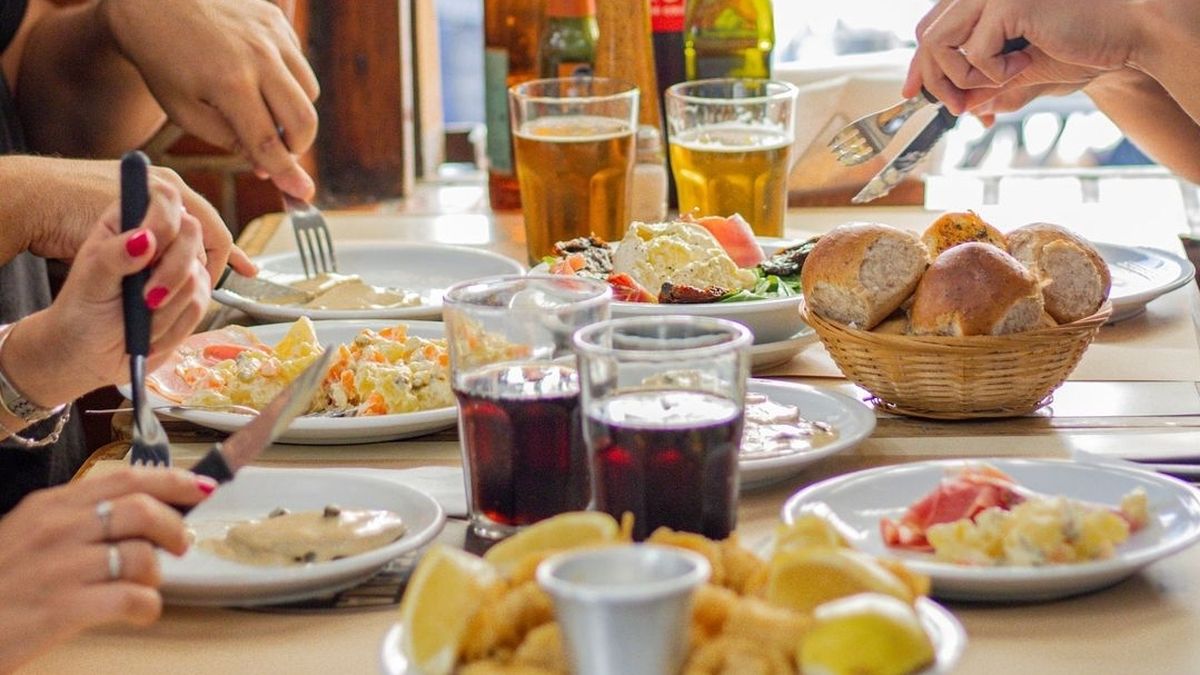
<point>964,495</point>
<point>175,379</point>
<point>735,236</point>
<point>626,289</point>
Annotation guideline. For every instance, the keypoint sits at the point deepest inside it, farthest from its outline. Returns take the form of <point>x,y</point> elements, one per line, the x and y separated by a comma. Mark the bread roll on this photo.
<point>976,289</point>
<point>860,272</point>
<point>955,228</point>
<point>1075,278</point>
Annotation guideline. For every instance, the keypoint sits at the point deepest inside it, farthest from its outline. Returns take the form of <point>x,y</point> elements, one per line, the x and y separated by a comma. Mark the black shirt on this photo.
<point>24,289</point>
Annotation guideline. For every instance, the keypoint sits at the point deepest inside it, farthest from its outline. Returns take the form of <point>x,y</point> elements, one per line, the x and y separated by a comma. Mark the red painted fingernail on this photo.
<point>156,296</point>
<point>138,244</point>
<point>206,484</point>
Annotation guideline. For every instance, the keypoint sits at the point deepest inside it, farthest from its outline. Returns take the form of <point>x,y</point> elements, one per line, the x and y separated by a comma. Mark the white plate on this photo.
<point>203,579</point>
<point>853,420</point>
<point>860,500</point>
<point>332,430</point>
<point>772,321</point>
<point>426,268</point>
<point>1141,274</point>
<point>770,354</point>
<point>947,634</point>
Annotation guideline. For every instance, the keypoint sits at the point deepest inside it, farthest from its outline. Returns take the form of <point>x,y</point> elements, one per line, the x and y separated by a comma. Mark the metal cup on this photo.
<point>624,609</point>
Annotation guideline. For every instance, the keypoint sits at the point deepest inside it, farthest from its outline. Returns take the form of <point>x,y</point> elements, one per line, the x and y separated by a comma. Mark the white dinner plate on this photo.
<point>852,419</point>
<point>772,321</point>
<point>331,430</point>
<point>859,500</point>
<point>428,269</point>
<point>770,354</point>
<point>947,634</point>
<point>1141,274</point>
<point>203,579</point>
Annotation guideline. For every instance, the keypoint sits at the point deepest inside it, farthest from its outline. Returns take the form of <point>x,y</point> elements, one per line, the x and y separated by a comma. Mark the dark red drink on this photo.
<point>520,429</point>
<point>668,457</point>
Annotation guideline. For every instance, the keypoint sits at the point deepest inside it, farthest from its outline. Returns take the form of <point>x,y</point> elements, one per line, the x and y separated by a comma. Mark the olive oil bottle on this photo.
<point>728,38</point>
<point>568,45</point>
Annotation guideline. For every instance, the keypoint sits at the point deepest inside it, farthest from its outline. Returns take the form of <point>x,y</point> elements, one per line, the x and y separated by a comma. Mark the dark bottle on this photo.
<point>510,57</point>
<point>728,38</point>
<point>666,28</point>
<point>568,45</point>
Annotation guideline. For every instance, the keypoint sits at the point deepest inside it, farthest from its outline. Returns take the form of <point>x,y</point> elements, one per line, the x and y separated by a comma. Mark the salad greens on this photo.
<point>766,286</point>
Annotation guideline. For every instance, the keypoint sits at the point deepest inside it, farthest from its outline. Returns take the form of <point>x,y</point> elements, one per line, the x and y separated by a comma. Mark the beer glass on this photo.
<point>574,142</point>
<point>730,141</point>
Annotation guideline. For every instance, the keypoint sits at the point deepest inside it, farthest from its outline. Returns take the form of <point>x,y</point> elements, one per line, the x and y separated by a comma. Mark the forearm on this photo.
<point>77,95</point>
<point>45,377</point>
<point>1152,117</point>
<point>1169,49</point>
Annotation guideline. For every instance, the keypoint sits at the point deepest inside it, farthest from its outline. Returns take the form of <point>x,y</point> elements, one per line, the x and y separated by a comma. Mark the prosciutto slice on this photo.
<point>963,495</point>
<point>175,380</point>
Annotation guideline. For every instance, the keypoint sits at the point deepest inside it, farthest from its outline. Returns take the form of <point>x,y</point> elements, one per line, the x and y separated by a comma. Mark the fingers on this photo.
<point>241,262</point>
<point>218,242</point>
<point>258,139</point>
<point>293,111</point>
<point>137,562</point>
<point>120,602</point>
<point>173,321</point>
<point>171,486</point>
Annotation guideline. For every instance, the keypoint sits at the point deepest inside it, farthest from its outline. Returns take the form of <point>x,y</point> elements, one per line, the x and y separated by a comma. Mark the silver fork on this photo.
<point>312,237</point>
<point>867,136</point>
<point>149,445</point>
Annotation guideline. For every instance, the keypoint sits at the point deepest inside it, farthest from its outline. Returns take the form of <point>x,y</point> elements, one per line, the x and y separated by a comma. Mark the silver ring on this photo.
<point>104,510</point>
<point>114,562</point>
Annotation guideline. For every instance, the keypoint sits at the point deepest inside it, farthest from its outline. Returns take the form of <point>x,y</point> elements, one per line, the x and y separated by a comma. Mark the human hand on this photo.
<point>245,78</point>
<point>960,44</point>
<point>68,196</point>
<point>78,343</point>
<point>55,548</point>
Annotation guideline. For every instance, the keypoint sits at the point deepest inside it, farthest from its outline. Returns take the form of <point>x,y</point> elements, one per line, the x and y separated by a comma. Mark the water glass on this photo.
<point>514,374</point>
<point>663,401</point>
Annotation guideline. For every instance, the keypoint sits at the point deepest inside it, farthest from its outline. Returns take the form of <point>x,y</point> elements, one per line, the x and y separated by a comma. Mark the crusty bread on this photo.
<point>958,227</point>
<point>976,289</point>
<point>1075,278</point>
<point>860,272</point>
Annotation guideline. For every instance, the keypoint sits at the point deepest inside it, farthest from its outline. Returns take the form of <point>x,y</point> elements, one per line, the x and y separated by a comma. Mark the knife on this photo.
<point>260,289</point>
<point>226,457</point>
<point>894,171</point>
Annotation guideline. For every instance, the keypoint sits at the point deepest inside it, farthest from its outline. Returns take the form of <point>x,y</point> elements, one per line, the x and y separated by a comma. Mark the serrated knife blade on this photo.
<point>895,170</point>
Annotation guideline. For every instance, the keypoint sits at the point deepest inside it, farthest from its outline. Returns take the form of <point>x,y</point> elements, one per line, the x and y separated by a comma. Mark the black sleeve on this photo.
<point>11,13</point>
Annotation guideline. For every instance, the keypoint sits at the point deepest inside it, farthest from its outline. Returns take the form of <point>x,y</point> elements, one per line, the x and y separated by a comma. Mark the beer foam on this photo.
<point>731,138</point>
<point>574,129</point>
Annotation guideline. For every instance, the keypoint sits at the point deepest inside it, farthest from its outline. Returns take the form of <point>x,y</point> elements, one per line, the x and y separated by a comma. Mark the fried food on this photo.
<point>697,543</point>
<point>497,667</point>
<point>735,655</point>
<point>543,648</point>
<point>745,572</point>
<point>501,625</point>
<point>772,627</point>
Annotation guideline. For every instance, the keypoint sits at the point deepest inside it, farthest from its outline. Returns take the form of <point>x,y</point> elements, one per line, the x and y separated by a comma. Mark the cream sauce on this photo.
<point>774,430</point>
<point>307,536</point>
<point>349,291</point>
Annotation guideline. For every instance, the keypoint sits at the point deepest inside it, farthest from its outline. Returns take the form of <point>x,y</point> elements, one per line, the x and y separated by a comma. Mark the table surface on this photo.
<point>1147,623</point>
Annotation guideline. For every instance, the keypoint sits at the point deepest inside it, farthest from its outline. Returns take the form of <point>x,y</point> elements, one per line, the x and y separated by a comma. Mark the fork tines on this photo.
<point>867,136</point>
<point>313,239</point>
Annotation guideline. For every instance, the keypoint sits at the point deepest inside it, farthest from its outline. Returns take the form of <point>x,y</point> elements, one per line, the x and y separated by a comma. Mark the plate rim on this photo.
<point>1187,271</point>
<point>300,585</point>
<point>1111,569</point>
<point>780,468</point>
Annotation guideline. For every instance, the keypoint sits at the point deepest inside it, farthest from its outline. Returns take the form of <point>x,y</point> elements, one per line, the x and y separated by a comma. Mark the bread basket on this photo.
<point>959,377</point>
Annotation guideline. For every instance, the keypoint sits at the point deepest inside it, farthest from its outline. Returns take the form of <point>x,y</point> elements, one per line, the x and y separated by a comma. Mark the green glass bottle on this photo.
<point>568,45</point>
<point>728,38</point>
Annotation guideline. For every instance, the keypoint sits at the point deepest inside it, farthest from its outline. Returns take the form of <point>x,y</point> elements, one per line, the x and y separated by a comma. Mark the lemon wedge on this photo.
<point>557,533</point>
<point>802,579</point>
<point>809,531</point>
<point>445,591</point>
<point>866,634</point>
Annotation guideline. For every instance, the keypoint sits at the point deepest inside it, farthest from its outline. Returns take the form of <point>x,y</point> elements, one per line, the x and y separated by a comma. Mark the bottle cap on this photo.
<point>649,146</point>
<point>571,9</point>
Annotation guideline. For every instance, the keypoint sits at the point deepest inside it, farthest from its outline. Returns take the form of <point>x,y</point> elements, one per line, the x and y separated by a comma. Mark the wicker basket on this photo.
<point>959,377</point>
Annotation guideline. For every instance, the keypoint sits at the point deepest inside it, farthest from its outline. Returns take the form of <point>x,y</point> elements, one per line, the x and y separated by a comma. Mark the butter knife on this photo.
<point>260,289</point>
<point>895,170</point>
<point>226,457</point>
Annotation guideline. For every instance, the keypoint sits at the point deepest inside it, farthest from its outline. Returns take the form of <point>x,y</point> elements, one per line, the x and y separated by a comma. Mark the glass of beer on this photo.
<point>574,142</point>
<point>730,142</point>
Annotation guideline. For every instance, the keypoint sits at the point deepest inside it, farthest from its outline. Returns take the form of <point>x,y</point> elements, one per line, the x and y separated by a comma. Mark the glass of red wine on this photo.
<point>513,371</point>
<point>663,400</point>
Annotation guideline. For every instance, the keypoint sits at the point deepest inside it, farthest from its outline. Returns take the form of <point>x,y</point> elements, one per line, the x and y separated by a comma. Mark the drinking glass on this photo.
<point>513,372</point>
<point>663,401</point>
<point>730,143</point>
<point>574,143</point>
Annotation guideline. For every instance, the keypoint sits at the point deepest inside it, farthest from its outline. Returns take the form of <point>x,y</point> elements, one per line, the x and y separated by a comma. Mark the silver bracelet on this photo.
<point>49,439</point>
<point>12,400</point>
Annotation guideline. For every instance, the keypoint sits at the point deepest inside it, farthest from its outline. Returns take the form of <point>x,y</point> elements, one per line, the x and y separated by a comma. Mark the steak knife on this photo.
<point>226,457</point>
<point>895,170</point>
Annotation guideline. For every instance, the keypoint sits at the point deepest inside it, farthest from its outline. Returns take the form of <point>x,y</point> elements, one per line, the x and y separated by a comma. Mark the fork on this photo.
<point>149,445</point>
<point>868,135</point>
<point>312,237</point>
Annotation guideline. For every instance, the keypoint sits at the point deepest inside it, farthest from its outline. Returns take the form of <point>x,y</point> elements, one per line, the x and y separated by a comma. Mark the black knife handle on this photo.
<point>135,201</point>
<point>1011,45</point>
<point>212,465</point>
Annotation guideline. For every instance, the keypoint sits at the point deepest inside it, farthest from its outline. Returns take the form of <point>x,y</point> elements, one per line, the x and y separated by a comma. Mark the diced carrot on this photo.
<point>222,351</point>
